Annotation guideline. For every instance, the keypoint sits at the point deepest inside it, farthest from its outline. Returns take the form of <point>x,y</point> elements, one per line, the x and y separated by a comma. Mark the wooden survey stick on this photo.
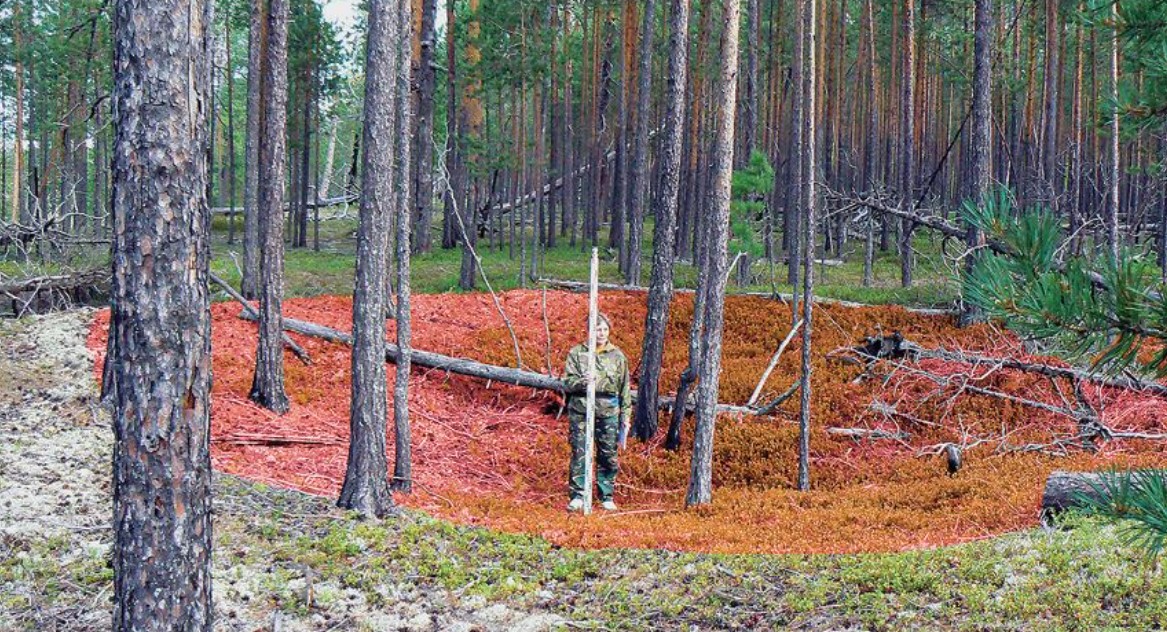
<point>590,427</point>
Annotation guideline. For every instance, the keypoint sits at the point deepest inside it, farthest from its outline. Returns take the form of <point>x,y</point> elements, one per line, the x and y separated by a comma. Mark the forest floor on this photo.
<point>290,561</point>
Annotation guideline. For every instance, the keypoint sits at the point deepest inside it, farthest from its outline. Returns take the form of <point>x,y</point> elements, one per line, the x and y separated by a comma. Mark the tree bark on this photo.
<point>230,129</point>
<point>908,142</point>
<point>701,472</point>
<point>366,487</point>
<point>423,193</point>
<point>1114,172</point>
<point>257,44</point>
<point>161,324</point>
<point>981,139</point>
<point>809,202</point>
<point>267,387</point>
<point>638,174</point>
<point>664,204</point>
<point>403,446</point>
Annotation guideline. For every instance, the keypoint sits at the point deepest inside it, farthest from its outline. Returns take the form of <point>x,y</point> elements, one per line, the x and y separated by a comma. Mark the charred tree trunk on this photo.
<point>161,324</point>
<point>701,472</point>
<point>366,487</point>
<point>267,387</point>
<point>664,204</point>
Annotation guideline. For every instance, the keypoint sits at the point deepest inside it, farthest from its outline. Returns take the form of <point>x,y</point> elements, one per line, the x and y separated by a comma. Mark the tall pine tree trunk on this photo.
<point>423,194</point>
<point>664,203</point>
<point>366,487</point>
<point>908,143</point>
<point>981,139</point>
<point>809,202</point>
<point>701,471</point>
<point>403,445</point>
<point>257,44</point>
<point>638,184</point>
<point>267,387</point>
<point>160,320</point>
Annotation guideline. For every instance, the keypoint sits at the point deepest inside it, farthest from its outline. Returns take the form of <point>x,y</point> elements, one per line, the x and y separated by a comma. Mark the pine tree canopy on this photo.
<point>1108,313</point>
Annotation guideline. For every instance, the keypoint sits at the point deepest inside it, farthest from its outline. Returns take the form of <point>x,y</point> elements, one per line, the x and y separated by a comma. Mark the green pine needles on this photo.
<point>1087,309</point>
<point>747,209</point>
<point>1137,501</point>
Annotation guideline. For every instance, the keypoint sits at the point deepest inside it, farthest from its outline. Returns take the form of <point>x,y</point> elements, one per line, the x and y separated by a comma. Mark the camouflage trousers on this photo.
<point>607,434</point>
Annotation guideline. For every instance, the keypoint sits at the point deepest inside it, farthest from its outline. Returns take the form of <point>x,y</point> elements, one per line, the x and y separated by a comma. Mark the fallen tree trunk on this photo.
<point>462,366</point>
<point>85,279</point>
<point>1067,490</point>
<point>324,203</point>
<point>866,433</point>
<point>576,286</point>
<point>297,350</point>
<point>1071,490</point>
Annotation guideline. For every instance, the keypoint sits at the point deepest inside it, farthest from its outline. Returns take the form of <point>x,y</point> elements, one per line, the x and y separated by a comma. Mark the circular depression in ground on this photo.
<point>496,456</point>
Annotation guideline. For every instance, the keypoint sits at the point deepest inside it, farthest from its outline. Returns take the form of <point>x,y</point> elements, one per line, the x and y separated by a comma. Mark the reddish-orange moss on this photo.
<point>498,456</point>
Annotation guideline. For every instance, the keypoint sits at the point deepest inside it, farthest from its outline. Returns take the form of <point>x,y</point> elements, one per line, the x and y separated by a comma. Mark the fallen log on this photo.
<point>1073,490</point>
<point>865,433</point>
<point>297,350</point>
<point>84,279</point>
<point>576,286</point>
<point>322,203</point>
<point>471,368</point>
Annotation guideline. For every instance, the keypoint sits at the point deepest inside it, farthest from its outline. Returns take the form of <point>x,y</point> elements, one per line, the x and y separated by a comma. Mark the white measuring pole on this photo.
<point>590,427</point>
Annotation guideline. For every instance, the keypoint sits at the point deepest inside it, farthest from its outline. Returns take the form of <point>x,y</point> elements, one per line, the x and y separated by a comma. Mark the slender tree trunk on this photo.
<point>664,203</point>
<point>366,487</point>
<point>267,388</point>
<point>870,171</point>
<point>450,234</point>
<point>257,44</point>
<point>423,207</point>
<point>1114,173</point>
<point>639,172</point>
<point>1053,77</point>
<point>809,204</point>
<point>908,142</point>
<point>792,221</point>
<point>1078,140</point>
<point>749,122</point>
<point>981,139</point>
<point>161,413</point>
<point>701,472</point>
<point>18,140</point>
<point>230,131</point>
<point>402,463</point>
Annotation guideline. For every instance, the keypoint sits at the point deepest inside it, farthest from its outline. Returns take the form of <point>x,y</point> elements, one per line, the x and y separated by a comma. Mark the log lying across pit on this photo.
<point>1066,490</point>
<point>462,366</point>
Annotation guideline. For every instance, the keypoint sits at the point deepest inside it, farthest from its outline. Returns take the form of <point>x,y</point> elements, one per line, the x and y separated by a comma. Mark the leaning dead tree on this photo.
<point>472,368</point>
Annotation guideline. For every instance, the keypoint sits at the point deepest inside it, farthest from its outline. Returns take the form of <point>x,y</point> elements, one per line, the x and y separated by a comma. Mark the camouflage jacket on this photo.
<point>613,389</point>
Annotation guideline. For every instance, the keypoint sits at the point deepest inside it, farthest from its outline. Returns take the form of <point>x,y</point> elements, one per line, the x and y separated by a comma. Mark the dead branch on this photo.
<point>866,433</point>
<point>296,349</point>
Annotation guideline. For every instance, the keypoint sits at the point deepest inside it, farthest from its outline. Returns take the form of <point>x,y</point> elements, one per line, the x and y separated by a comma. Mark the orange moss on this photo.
<point>498,456</point>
